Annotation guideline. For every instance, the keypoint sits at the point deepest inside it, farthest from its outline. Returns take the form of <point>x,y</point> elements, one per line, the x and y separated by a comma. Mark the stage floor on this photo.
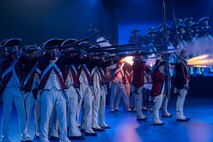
<point>125,128</point>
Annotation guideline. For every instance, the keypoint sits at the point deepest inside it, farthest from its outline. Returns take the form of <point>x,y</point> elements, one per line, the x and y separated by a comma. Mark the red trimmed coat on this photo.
<point>158,80</point>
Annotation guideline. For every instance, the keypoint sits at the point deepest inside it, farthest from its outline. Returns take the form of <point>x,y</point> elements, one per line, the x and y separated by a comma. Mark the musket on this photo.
<point>118,46</point>
<point>127,53</point>
<point>131,47</point>
<point>74,44</point>
<point>122,48</point>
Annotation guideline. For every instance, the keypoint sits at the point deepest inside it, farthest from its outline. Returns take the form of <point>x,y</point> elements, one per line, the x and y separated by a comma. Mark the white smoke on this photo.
<point>199,46</point>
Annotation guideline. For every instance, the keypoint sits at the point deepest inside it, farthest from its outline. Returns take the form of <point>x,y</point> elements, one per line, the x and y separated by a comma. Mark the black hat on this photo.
<point>84,44</point>
<point>187,20</point>
<point>69,41</point>
<point>135,30</point>
<point>52,42</point>
<point>159,63</point>
<point>10,42</point>
<point>180,26</point>
<point>3,42</point>
<point>204,19</point>
<point>30,48</point>
<point>151,30</point>
<point>176,21</point>
<point>194,25</point>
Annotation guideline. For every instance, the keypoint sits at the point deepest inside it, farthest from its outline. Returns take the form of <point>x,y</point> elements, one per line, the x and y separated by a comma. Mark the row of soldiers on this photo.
<point>141,84</point>
<point>57,83</point>
<point>179,30</point>
<point>180,33</point>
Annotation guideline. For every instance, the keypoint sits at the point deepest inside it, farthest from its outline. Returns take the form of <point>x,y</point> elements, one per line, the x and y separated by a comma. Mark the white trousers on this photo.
<point>138,101</point>
<point>156,107</point>
<point>118,89</point>
<point>102,106</point>
<point>10,95</point>
<point>86,97</point>
<point>95,109</point>
<point>180,103</point>
<point>126,98</point>
<point>50,99</point>
<point>132,100</point>
<point>72,105</point>
<point>165,105</point>
<point>54,124</point>
<point>31,103</point>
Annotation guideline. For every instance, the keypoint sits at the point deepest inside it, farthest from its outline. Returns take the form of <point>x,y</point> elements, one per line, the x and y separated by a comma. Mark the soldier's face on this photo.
<point>52,51</point>
<point>73,54</point>
<point>161,68</point>
<point>33,55</point>
<point>206,23</point>
<point>12,49</point>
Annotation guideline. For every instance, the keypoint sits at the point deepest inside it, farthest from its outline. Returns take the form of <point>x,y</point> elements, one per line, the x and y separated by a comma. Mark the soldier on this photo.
<point>97,95</point>
<point>187,22</point>
<point>31,82</point>
<point>11,89</point>
<point>152,37</point>
<point>166,97</point>
<point>104,92</point>
<point>86,93</point>
<point>204,27</point>
<point>135,38</point>
<point>128,80</point>
<point>138,68</point>
<point>52,94</point>
<point>118,85</point>
<point>157,91</point>
<point>72,90</point>
<point>181,86</point>
<point>173,37</point>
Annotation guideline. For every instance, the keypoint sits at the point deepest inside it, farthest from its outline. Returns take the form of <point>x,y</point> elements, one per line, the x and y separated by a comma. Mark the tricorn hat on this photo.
<point>194,25</point>
<point>53,42</point>
<point>30,48</point>
<point>84,44</point>
<point>203,19</point>
<point>159,63</point>
<point>10,42</point>
<point>69,41</point>
<point>135,30</point>
<point>187,20</point>
<point>176,21</point>
<point>150,31</point>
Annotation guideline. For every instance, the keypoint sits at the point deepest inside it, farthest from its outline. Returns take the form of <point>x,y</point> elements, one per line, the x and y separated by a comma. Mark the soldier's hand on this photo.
<point>186,87</point>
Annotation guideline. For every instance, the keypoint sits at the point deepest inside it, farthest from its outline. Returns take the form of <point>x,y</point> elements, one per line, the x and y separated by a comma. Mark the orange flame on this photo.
<point>128,59</point>
<point>205,60</point>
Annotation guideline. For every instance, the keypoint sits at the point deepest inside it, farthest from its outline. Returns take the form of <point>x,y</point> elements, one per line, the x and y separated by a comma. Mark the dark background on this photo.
<point>36,21</point>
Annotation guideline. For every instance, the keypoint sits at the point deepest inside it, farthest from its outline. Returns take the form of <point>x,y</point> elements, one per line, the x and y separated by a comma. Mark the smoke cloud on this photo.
<point>200,46</point>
